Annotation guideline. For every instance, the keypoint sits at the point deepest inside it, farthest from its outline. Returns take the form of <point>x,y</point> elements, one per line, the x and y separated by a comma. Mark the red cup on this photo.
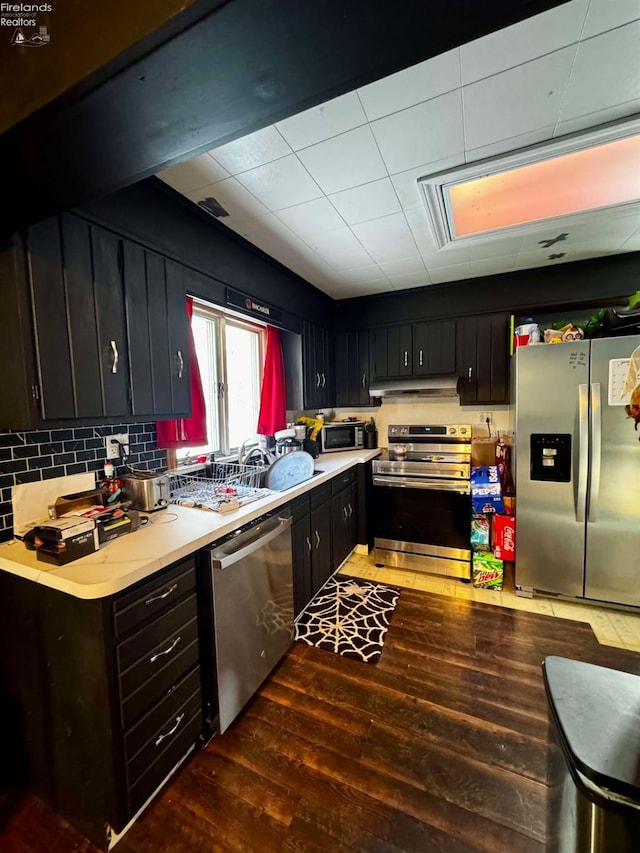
<point>520,341</point>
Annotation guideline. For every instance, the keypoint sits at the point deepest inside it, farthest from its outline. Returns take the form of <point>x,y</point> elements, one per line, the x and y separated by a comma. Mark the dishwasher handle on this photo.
<point>265,532</point>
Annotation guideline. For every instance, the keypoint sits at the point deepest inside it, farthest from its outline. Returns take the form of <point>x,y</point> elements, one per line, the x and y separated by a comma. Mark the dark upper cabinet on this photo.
<point>97,323</point>
<point>391,352</point>
<point>434,348</point>
<point>352,368</point>
<point>482,359</point>
<point>318,366</point>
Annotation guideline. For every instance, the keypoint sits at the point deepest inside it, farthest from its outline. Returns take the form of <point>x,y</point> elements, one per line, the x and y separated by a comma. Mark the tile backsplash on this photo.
<point>29,456</point>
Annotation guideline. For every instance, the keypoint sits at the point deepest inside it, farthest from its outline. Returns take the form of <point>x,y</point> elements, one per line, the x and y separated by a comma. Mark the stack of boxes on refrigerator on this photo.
<point>493,519</point>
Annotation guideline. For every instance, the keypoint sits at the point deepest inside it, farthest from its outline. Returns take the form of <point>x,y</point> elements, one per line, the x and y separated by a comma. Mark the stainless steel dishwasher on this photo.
<point>252,584</point>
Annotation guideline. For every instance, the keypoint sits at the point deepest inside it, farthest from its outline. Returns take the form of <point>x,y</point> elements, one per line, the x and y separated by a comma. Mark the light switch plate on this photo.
<point>112,448</point>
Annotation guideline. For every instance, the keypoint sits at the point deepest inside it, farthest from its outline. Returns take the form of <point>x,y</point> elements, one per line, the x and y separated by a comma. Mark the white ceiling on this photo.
<point>332,192</point>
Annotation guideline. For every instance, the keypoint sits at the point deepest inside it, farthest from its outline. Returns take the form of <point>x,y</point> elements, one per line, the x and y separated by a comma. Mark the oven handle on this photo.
<point>462,488</point>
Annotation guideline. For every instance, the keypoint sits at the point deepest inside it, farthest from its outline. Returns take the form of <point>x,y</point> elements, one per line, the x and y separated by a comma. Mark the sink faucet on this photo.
<point>241,452</point>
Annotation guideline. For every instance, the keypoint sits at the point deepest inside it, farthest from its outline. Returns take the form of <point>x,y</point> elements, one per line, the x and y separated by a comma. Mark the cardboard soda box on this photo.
<point>488,572</point>
<point>504,537</point>
<point>486,492</point>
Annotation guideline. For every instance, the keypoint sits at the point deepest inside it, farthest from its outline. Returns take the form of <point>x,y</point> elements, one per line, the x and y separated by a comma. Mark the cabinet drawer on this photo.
<point>343,480</point>
<point>153,597</point>
<point>148,651</point>
<point>157,760</point>
<point>159,685</point>
<point>145,730</point>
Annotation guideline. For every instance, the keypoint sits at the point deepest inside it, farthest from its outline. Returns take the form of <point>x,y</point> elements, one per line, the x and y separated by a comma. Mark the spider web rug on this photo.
<point>349,617</point>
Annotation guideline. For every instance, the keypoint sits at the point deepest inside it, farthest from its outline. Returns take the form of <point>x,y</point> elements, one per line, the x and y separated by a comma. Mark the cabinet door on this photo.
<point>352,368</point>
<point>482,359</point>
<point>400,351</point>
<point>321,566</point>
<point>310,371</point>
<point>112,329</point>
<point>49,305</point>
<point>351,524</point>
<point>81,312</point>
<point>362,376</point>
<point>146,319</point>
<point>180,281</point>
<point>326,368</point>
<point>434,348</point>
<point>301,547</point>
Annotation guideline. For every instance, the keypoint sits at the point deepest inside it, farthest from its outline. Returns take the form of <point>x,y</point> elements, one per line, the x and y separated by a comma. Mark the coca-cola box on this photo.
<point>504,537</point>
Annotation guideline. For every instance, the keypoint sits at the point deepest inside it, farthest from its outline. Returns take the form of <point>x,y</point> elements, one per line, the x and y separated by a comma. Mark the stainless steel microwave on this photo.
<point>342,435</point>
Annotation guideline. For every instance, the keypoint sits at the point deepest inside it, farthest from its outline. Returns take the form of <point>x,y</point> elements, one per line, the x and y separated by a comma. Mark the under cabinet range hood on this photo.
<point>428,386</point>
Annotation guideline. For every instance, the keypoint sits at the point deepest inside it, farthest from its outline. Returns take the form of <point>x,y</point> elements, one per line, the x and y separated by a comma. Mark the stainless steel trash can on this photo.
<point>594,758</point>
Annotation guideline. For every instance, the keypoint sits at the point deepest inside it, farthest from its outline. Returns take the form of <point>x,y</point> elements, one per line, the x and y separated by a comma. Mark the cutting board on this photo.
<point>289,470</point>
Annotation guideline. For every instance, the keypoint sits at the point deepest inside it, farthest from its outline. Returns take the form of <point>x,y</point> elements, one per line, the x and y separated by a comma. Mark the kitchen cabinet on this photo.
<point>352,375</point>
<point>392,352</point>
<point>344,516</point>
<point>434,348</point>
<point>106,693</point>
<point>482,359</point>
<point>318,366</point>
<point>97,324</point>
<point>311,535</point>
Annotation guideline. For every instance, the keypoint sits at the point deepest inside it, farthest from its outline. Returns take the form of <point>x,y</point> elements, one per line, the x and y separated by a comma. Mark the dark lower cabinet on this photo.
<point>483,359</point>
<point>344,516</point>
<point>105,694</point>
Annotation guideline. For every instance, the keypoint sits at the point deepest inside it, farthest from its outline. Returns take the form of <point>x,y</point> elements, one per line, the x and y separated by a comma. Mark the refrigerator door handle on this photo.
<point>596,450</point>
<point>583,451</point>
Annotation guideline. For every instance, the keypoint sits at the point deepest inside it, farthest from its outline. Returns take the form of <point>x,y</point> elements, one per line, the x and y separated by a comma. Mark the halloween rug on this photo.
<point>349,617</point>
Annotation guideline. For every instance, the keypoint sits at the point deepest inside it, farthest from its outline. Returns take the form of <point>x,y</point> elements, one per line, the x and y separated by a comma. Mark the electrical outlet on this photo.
<point>485,417</point>
<point>113,448</point>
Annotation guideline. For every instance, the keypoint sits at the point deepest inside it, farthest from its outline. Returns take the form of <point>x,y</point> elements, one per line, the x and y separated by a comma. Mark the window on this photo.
<point>230,357</point>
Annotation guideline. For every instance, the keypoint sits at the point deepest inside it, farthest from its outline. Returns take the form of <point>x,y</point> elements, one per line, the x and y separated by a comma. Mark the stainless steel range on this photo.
<point>422,499</point>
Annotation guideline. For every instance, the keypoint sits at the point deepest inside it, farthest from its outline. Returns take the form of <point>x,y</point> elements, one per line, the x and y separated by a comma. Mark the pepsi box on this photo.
<point>486,491</point>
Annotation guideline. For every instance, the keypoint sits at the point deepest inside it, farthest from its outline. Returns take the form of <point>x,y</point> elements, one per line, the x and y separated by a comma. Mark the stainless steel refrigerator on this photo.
<point>577,471</point>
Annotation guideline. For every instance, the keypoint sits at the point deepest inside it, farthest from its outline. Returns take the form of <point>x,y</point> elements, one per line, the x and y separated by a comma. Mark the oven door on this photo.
<point>423,524</point>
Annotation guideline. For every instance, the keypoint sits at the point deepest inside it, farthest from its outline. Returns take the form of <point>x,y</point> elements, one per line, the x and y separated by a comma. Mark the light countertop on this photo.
<point>171,535</point>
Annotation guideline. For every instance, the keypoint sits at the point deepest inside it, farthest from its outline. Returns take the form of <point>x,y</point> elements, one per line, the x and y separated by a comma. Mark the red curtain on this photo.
<point>187,432</point>
<point>273,415</point>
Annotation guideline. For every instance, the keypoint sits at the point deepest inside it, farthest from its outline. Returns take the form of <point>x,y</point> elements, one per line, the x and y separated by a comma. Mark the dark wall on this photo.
<point>157,216</point>
<point>601,281</point>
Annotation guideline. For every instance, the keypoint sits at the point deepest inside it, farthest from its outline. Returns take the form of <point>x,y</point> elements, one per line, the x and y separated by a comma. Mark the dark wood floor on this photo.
<point>440,746</point>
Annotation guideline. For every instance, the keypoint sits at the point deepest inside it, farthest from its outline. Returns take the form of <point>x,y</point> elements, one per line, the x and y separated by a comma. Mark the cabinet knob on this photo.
<point>406,358</point>
<point>470,373</point>
<point>420,358</point>
<point>364,380</point>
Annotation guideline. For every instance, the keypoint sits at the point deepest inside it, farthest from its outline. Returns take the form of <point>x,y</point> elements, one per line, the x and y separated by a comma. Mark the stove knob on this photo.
<point>463,431</point>
<point>452,430</point>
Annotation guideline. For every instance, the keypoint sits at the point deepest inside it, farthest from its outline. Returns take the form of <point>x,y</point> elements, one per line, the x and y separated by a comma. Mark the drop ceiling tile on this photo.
<point>387,239</point>
<point>344,161</point>
<point>412,86</point>
<point>494,266</point>
<point>308,219</point>
<point>250,151</point>
<point>406,183</point>
<point>456,272</point>
<point>421,229</point>
<point>282,183</point>
<point>415,279</point>
<point>517,101</point>
<point>407,266</point>
<point>513,143</point>
<point>604,15</point>
<point>529,260</point>
<point>524,41</point>
<point>322,122</point>
<point>453,253</point>
<point>485,248</point>
<point>633,243</point>
<point>583,122</point>
<point>365,289</point>
<point>235,199</point>
<point>369,201</point>
<point>340,249</point>
<point>193,173</point>
<point>425,133</point>
<point>606,72</point>
<point>261,231</point>
<point>371,272</point>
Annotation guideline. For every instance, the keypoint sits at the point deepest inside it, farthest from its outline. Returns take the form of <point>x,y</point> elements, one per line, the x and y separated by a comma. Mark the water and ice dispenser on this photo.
<point>551,457</point>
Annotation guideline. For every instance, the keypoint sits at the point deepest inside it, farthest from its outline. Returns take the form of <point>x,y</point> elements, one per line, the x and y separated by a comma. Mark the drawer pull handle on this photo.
<point>166,651</point>
<point>172,588</point>
<point>171,731</point>
<point>308,544</point>
<point>180,364</point>
<point>317,539</point>
<point>350,510</point>
<point>114,363</point>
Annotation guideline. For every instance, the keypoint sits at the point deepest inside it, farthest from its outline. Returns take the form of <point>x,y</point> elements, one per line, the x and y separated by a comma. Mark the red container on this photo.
<point>504,537</point>
<point>520,341</point>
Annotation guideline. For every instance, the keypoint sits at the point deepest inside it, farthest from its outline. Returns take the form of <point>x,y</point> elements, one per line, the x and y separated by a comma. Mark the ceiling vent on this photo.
<point>212,206</point>
<point>581,175</point>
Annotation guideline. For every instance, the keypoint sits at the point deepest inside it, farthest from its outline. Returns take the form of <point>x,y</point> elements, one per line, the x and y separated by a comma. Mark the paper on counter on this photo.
<point>30,501</point>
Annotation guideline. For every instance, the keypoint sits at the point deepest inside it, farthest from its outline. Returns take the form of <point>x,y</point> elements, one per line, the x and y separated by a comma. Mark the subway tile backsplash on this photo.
<point>43,454</point>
